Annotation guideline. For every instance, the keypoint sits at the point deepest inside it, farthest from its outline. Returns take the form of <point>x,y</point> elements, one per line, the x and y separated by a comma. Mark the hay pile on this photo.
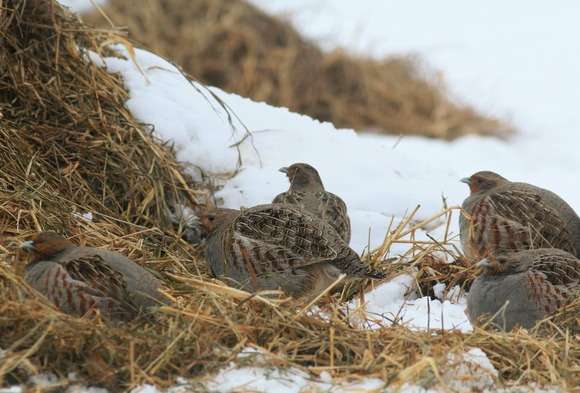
<point>68,146</point>
<point>233,45</point>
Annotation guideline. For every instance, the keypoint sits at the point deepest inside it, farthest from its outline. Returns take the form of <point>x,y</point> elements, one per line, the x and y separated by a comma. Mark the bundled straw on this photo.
<point>233,45</point>
<point>68,146</point>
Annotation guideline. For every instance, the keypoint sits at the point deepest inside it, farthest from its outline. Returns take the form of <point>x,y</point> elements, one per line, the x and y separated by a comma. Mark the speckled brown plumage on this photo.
<point>501,216</point>
<point>79,280</point>
<point>307,191</point>
<point>530,284</point>
<point>278,246</point>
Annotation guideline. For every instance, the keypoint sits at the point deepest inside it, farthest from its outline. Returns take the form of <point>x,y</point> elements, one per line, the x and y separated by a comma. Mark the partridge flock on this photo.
<point>525,239</point>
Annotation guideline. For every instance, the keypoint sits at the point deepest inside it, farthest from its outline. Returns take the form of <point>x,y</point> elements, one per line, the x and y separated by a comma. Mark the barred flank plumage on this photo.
<point>280,246</point>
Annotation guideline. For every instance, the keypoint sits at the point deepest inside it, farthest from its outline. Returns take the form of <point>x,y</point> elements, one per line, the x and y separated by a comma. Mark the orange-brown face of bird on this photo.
<point>213,219</point>
<point>45,245</point>
<point>301,174</point>
<point>484,181</point>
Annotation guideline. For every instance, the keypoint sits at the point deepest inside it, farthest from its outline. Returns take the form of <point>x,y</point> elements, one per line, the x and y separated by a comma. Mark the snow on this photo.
<point>467,371</point>
<point>80,6</point>
<point>471,371</point>
<point>438,289</point>
<point>514,60</point>
<point>87,216</point>
<point>11,389</point>
<point>393,302</point>
<point>261,376</point>
<point>85,389</point>
<point>44,380</point>
<point>284,381</point>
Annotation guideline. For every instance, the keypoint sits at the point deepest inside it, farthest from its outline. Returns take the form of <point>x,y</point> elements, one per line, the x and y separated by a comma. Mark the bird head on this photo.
<point>211,220</point>
<point>484,181</point>
<point>45,245</point>
<point>302,175</point>
<point>497,264</point>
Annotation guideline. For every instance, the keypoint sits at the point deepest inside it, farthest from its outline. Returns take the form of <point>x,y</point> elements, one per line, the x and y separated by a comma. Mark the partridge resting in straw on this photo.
<point>80,279</point>
<point>307,191</point>
<point>500,215</point>
<point>523,287</point>
<point>278,246</point>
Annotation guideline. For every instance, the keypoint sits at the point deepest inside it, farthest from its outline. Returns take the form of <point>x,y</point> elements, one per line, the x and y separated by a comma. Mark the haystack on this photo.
<point>70,150</point>
<point>233,45</point>
<point>69,147</point>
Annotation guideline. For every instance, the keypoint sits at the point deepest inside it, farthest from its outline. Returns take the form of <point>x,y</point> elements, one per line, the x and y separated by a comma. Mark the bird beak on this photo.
<point>466,180</point>
<point>283,170</point>
<point>28,245</point>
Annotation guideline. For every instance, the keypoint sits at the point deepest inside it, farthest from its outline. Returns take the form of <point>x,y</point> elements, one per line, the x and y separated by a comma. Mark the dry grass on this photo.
<point>233,45</point>
<point>67,145</point>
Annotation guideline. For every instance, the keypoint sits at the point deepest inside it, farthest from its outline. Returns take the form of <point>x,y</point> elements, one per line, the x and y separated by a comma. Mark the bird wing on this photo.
<point>548,295</point>
<point>101,280</point>
<point>517,219</point>
<point>333,210</point>
<point>328,206</point>
<point>559,268</point>
<point>284,238</point>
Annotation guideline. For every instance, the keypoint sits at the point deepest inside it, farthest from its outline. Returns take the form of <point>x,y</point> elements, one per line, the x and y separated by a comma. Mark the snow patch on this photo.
<point>81,6</point>
<point>263,378</point>
<point>393,302</point>
<point>87,216</point>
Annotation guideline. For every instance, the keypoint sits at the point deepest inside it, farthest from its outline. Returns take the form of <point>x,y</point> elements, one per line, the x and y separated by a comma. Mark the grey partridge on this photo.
<point>278,246</point>
<point>521,288</point>
<point>307,191</point>
<point>81,279</point>
<point>501,215</point>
